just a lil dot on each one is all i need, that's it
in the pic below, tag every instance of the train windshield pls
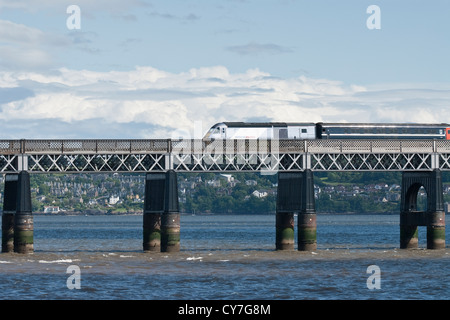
(212, 133)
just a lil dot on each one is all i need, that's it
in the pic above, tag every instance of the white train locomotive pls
(307, 131)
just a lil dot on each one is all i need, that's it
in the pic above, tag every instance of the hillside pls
(249, 193)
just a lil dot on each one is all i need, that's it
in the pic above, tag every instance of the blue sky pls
(144, 69)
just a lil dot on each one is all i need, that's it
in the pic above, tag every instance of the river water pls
(223, 257)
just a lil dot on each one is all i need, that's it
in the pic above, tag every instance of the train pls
(320, 130)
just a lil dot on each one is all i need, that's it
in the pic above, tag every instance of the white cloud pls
(254, 49)
(11, 32)
(24, 58)
(149, 103)
(19, 33)
(23, 47)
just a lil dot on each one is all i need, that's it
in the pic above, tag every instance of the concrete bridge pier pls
(23, 219)
(284, 234)
(307, 223)
(9, 210)
(296, 195)
(170, 220)
(433, 217)
(161, 225)
(153, 208)
(17, 218)
(436, 230)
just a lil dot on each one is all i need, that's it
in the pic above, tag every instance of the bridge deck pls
(222, 155)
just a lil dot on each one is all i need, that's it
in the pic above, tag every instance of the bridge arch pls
(433, 216)
(412, 200)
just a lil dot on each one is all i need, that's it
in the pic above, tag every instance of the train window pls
(303, 130)
(283, 134)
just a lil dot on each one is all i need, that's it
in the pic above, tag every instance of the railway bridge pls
(420, 161)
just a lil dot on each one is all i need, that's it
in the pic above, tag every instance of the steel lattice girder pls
(444, 161)
(96, 163)
(222, 155)
(370, 162)
(8, 163)
(226, 162)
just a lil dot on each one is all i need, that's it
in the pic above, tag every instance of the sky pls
(162, 69)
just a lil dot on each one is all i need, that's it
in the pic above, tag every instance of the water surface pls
(223, 257)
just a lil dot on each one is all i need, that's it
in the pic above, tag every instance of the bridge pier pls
(161, 225)
(284, 234)
(17, 218)
(296, 195)
(434, 216)
(9, 210)
(170, 221)
(153, 208)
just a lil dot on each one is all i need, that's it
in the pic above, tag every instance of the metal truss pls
(371, 162)
(265, 156)
(444, 161)
(238, 162)
(8, 163)
(96, 163)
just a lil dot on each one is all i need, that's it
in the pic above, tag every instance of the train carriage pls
(393, 131)
(339, 131)
(262, 130)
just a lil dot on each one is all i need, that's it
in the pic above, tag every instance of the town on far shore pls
(216, 193)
